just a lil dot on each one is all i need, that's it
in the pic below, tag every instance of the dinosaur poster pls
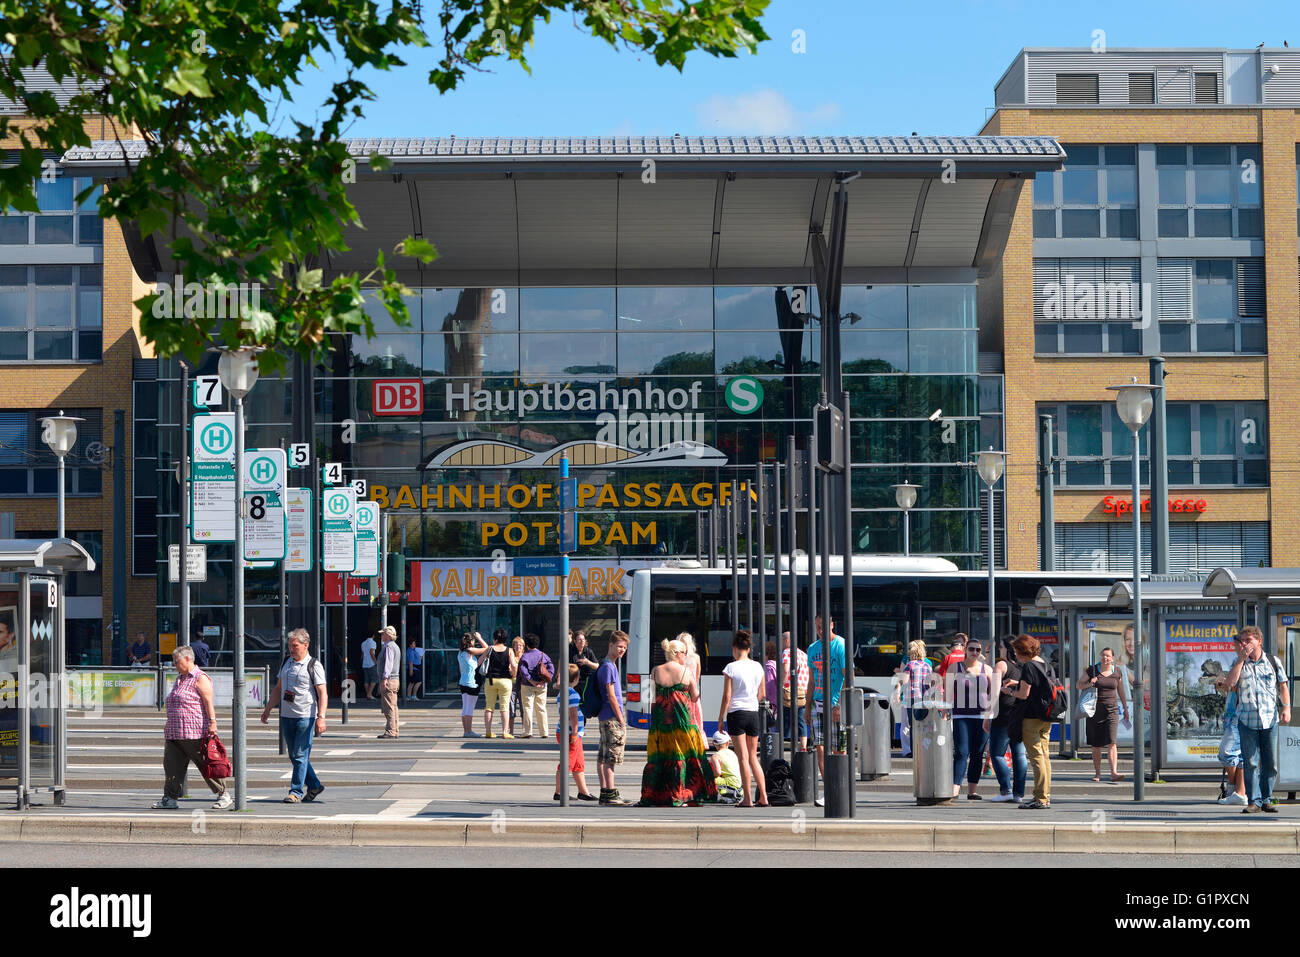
(1197, 652)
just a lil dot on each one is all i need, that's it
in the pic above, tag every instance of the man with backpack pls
(300, 692)
(535, 672)
(1044, 698)
(1261, 686)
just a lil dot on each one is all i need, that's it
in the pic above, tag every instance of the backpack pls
(213, 763)
(589, 693)
(1057, 703)
(780, 784)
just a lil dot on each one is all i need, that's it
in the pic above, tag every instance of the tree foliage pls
(239, 195)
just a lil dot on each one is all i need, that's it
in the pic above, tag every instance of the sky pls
(866, 69)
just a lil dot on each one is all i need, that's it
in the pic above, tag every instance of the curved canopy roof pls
(19, 554)
(669, 210)
(1238, 583)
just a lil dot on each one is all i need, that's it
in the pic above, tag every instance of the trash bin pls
(877, 734)
(932, 753)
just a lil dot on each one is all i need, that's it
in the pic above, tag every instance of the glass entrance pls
(443, 627)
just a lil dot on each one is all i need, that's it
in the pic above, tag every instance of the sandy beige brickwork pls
(1032, 380)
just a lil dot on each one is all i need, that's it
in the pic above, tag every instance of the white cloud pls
(766, 112)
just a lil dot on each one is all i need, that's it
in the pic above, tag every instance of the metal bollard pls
(932, 754)
(874, 751)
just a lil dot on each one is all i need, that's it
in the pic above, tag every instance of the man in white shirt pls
(368, 665)
(300, 692)
(388, 665)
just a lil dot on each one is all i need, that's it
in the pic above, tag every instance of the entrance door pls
(443, 627)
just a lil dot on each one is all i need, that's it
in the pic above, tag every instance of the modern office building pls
(647, 306)
(1171, 231)
(69, 342)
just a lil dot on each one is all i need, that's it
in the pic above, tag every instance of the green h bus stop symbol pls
(216, 438)
(263, 470)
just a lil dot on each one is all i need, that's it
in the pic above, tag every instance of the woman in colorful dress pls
(693, 669)
(677, 769)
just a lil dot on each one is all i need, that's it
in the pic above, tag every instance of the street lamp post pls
(990, 465)
(237, 369)
(905, 496)
(1133, 402)
(59, 432)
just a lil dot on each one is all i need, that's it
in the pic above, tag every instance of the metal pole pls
(343, 610)
(1047, 492)
(699, 533)
(733, 547)
(907, 532)
(61, 496)
(1158, 456)
(713, 535)
(562, 700)
(382, 597)
(284, 629)
(24, 628)
(812, 567)
(828, 725)
(1139, 731)
(992, 564)
(761, 516)
(776, 562)
(850, 786)
(405, 610)
(749, 561)
(239, 729)
(183, 629)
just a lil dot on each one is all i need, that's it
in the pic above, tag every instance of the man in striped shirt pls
(1261, 686)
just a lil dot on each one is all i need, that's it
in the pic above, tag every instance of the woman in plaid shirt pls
(191, 716)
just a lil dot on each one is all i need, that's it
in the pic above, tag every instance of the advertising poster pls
(223, 686)
(1197, 651)
(113, 689)
(1117, 635)
(1042, 624)
(8, 692)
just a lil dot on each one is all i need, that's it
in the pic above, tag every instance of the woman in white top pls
(742, 690)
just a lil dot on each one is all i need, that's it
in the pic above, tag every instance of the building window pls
(1095, 195)
(1209, 444)
(1209, 190)
(28, 467)
(1087, 306)
(1211, 305)
(1076, 88)
(62, 219)
(1108, 546)
(1207, 88)
(1141, 87)
(51, 313)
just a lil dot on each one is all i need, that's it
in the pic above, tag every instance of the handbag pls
(484, 662)
(213, 763)
(1087, 706)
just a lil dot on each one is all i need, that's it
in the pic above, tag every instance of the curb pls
(758, 836)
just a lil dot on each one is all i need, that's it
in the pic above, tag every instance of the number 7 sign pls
(207, 391)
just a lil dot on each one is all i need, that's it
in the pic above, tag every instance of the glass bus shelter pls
(33, 689)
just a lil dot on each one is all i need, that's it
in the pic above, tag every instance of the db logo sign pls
(398, 397)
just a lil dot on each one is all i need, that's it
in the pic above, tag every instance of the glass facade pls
(509, 375)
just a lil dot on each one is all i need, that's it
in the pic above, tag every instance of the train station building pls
(649, 308)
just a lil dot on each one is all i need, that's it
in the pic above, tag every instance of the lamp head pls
(59, 432)
(237, 370)
(905, 494)
(1134, 402)
(990, 465)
